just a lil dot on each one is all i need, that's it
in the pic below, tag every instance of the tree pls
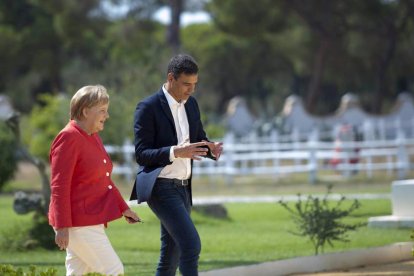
(173, 32)
(381, 26)
(237, 57)
(328, 21)
(33, 61)
(44, 35)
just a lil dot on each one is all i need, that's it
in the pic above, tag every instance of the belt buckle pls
(184, 182)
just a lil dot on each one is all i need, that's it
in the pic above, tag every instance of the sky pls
(162, 15)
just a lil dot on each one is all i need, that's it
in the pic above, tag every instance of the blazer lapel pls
(167, 110)
(190, 119)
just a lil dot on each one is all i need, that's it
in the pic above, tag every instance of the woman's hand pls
(131, 216)
(62, 238)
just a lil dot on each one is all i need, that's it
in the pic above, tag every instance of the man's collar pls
(170, 99)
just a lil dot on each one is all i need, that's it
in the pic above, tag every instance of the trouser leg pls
(180, 242)
(90, 250)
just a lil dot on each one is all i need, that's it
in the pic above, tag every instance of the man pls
(169, 135)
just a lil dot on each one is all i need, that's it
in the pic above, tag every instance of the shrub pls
(320, 221)
(14, 238)
(8, 160)
(42, 233)
(9, 270)
(38, 233)
(45, 123)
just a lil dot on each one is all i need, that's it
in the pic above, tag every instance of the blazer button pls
(104, 161)
(110, 187)
(107, 173)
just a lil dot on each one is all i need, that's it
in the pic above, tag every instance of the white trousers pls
(90, 250)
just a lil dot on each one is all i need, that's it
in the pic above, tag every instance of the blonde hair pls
(87, 97)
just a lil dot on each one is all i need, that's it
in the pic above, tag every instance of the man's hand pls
(192, 151)
(62, 238)
(216, 148)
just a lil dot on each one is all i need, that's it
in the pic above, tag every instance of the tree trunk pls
(382, 81)
(315, 83)
(173, 32)
(14, 124)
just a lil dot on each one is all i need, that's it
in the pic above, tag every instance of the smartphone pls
(209, 153)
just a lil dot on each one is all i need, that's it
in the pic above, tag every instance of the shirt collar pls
(171, 101)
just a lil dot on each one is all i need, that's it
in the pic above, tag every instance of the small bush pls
(8, 148)
(320, 221)
(42, 232)
(20, 237)
(14, 238)
(9, 270)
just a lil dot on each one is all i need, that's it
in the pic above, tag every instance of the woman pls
(83, 197)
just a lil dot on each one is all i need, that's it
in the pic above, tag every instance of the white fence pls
(273, 158)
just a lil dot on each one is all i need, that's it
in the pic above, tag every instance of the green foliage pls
(9, 270)
(23, 237)
(214, 131)
(226, 70)
(14, 237)
(320, 221)
(359, 46)
(412, 238)
(8, 160)
(118, 127)
(46, 120)
(41, 232)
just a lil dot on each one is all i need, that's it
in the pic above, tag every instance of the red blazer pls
(82, 192)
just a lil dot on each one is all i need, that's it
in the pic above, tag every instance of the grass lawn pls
(253, 233)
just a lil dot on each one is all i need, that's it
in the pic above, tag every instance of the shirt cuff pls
(172, 157)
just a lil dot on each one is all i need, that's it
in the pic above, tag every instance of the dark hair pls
(182, 64)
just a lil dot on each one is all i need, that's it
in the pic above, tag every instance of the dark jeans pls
(180, 243)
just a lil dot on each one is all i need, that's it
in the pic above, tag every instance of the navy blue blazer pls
(155, 133)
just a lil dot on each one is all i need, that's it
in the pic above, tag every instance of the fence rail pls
(277, 158)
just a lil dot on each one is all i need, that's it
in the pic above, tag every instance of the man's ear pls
(170, 77)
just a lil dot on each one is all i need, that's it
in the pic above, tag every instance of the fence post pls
(274, 139)
(313, 162)
(229, 164)
(403, 162)
(296, 141)
(381, 129)
(128, 159)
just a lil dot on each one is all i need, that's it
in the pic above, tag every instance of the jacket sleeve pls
(122, 205)
(145, 131)
(63, 158)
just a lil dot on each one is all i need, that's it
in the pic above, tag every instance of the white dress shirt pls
(181, 167)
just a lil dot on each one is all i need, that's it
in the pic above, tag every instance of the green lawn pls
(253, 233)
